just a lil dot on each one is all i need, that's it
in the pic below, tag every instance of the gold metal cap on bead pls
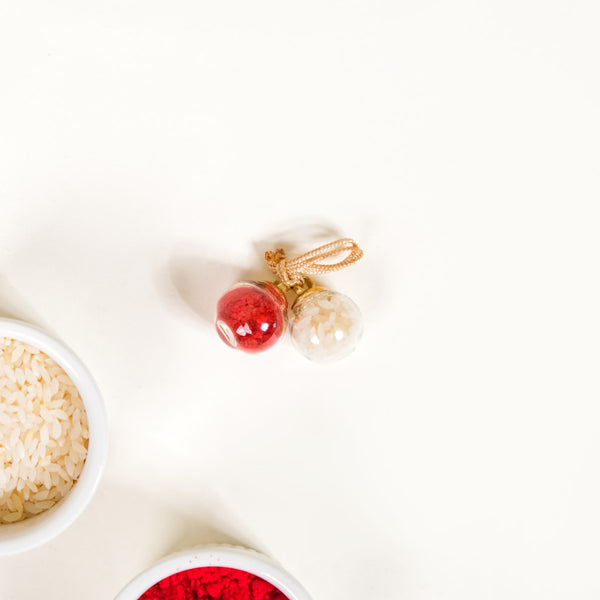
(300, 289)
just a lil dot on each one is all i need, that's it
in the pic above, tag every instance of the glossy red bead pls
(251, 316)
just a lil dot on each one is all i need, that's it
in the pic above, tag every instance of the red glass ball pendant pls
(251, 316)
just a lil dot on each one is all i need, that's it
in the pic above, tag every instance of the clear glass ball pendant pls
(251, 316)
(325, 325)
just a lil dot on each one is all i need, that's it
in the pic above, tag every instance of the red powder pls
(251, 316)
(213, 583)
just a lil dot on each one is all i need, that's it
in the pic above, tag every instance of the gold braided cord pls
(291, 271)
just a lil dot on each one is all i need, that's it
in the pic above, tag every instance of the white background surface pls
(150, 152)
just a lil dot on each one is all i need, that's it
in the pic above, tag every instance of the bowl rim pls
(216, 555)
(55, 520)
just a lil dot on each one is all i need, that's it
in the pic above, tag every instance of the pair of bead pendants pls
(324, 325)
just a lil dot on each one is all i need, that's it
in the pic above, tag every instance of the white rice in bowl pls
(43, 432)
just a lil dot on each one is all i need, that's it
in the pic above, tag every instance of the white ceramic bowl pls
(217, 555)
(34, 531)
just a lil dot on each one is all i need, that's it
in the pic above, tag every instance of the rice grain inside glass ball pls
(325, 325)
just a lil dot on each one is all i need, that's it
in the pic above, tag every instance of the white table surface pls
(150, 151)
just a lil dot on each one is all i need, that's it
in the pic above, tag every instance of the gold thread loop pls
(292, 271)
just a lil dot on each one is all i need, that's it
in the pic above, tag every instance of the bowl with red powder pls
(215, 572)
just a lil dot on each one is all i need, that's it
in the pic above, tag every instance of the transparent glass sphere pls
(251, 316)
(325, 325)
